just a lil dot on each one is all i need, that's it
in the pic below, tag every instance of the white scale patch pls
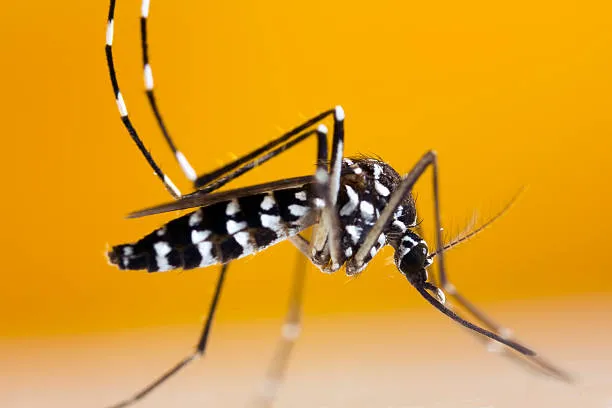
(336, 169)
(321, 176)
(148, 77)
(144, 8)
(381, 239)
(195, 218)
(381, 189)
(199, 236)
(128, 251)
(243, 238)
(160, 232)
(121, 105)
(377, 171)
(272, 222)
(267, 203)
(367, 210)
(339, 113)
(205, 249)
(110, 29)
(354, 232)
(232, 208)
(348, 252)
(301, 195)
(351, 205)
(187, 169)
(170, 185)
(233, 226)
(162, 249)
(298, 210)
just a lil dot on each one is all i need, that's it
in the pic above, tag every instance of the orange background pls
(508, 94)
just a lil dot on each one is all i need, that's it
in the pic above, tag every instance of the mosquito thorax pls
(412, 257)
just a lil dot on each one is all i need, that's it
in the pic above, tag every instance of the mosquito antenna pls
(423, 287)
(462, 238)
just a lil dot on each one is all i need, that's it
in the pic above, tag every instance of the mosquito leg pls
(198, 352)
(504, 334)
(418, 228)
(214, 176)
(538, 362)
(222, 180)
(290, 332)
(195, 198)
(396, 199)
(252, 160)
(110, 28)
(203, 180)
(188, 171)
(328, 186)
(207, 178)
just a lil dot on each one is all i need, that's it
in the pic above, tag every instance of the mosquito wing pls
(198, 199)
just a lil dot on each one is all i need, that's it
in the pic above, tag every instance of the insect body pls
(233, 228)
(354, 207)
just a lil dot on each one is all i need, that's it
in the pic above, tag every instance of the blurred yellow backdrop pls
(508, 94)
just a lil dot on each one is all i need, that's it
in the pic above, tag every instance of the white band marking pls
(110, 30)
(187, 169)
(148, 77)
(144, 9)
(199, 236)
(121, 105)
(173, 188)
(339, 114)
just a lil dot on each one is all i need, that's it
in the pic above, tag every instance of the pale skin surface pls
(410, 359)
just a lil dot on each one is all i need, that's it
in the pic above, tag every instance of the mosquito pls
(354, 206)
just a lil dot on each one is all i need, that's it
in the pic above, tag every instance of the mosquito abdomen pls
(220, 232)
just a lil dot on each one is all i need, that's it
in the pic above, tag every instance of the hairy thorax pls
(365, 189)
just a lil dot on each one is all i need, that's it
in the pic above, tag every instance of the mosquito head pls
(412, 257)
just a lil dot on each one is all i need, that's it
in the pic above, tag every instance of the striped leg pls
(205, 179)
(430, 159)
(148, 81)
(198, 352)
(221, 180)
(422, 286)
(290, 332)
(110, 30)
(536, 361)
(328, 186)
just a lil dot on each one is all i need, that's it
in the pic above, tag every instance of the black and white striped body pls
(220, 232)
(230, 230)
(367, 185)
